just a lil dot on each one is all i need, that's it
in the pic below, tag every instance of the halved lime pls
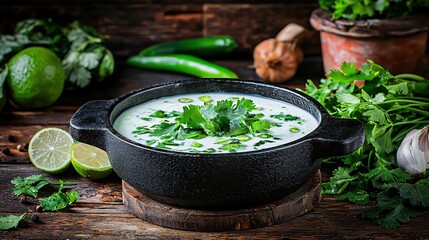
(90, 161)
(49, 150)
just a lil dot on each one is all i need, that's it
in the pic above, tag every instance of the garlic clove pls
(410, 157)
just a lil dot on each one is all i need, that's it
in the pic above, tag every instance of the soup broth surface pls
(156, 123)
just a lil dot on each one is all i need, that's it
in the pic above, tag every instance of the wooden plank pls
(136, 25)
(131, 27)
(100, 214)
(251, 24)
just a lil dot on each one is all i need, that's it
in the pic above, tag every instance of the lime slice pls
(49, 150)
(90, 161)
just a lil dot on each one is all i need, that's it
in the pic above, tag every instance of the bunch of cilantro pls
(390, 106)
(365, 9)
(84, 57)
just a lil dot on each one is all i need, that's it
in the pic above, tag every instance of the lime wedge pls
(49, 150)
(90, 161)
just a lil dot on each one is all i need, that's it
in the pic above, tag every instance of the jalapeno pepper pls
(182, 63)
(204, 46)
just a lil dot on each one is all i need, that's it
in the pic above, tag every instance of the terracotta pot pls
(397, 44)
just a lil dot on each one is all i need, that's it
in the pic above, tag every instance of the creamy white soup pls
(214, 123)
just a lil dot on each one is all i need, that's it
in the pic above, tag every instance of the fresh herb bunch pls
(390, 106)
(84, 57)
(364, 9)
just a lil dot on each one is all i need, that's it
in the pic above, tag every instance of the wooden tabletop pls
(100, 212)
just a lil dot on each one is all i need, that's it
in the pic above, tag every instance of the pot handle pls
(89, 123)
(337, 137)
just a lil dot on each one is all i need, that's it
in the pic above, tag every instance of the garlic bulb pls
(276, 61)
(413, 154)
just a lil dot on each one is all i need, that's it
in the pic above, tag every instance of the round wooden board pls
(294, 205)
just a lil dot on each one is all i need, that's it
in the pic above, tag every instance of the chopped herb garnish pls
(158, 114)
(285, 117)
(262, 142)
(233, 121)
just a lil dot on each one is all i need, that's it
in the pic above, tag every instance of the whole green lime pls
(36, 77)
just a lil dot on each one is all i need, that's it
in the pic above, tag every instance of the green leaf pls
(376, 115)
(11, 221)
(285, 117)
(28, 186)
(89, 60)
(80, 76)
(417, 193)
(400, 88)
(347, 98)
(261, 126)
(381, 139)
(107, 65)
(348, 68)
(59, 200)
(338, 182)
(394, 210)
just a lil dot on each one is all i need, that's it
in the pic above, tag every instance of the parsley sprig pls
(390, 106)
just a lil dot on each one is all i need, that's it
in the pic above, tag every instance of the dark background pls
(135, 24)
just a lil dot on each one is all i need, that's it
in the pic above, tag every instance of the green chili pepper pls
(182, 63)
(204, 46)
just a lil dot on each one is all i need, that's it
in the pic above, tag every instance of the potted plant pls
(392, 33)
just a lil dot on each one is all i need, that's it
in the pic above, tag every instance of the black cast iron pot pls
(226, 180)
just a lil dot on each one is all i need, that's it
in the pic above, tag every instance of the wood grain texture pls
(296, 204)
(135, 25)
(100, 214)
(251, 24)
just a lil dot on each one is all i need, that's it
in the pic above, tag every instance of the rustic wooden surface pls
(100, 213)
(296, 204)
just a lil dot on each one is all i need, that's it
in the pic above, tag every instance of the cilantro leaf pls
(32, 184)
(11, 221)
(417, 193)
(260, 126)
(28, 186)
(390, 210)
(59, 200)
